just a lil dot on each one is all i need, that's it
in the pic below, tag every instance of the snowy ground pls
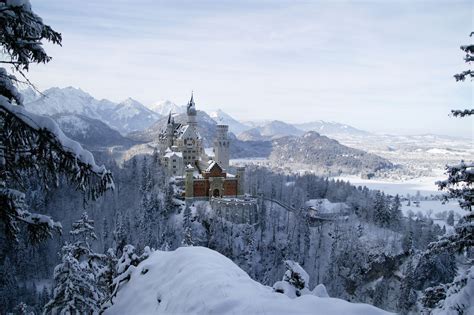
(197, 280)
(425, 185)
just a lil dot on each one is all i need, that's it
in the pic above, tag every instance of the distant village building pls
(183, 154)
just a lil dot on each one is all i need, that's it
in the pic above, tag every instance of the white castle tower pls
(191, 111)
(221, 146)
(190, 141)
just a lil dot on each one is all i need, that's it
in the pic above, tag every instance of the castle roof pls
(188, 132)
(172, 153)
(191, 108)
(213, 165)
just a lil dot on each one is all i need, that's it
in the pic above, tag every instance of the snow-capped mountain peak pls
(164, 107)
(235, 126)
(129, 115)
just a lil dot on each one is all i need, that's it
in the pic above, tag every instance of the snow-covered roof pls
(325, 206)
(172, 153)
(211, 165)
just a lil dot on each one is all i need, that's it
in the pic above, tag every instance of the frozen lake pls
(425, 185)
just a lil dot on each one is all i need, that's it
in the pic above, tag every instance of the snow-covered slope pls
(29, 95)
(91, 133)
(131, 115)
(68, 100)
(197, 280)
(223, 118)
(165, 107)
(125, 117)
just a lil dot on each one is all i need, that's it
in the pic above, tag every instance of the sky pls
(381, 66)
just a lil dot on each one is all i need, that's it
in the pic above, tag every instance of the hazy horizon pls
(379, 67)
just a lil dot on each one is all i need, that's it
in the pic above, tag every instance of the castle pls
(183, 155)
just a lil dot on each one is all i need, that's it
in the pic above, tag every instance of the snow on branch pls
(459, 184)
(462, 76)
(461, 113)
(67, 155)
(15, 210)
(22, 33)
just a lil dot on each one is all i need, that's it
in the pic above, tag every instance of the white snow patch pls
(197, 280)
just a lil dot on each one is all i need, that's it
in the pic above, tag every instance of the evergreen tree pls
(76, 279)
(187, 227)
(460, 183)
(8, 287)
(396, 213)
(407, 299)
(381, 210)
(124, 268)
(450, 218)
(32, 145)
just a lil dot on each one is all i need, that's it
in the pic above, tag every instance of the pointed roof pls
(191, 108)
(214, 165)
(169, 118)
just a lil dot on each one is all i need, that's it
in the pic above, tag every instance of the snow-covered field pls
(409, 188)
(198, 280)
(425, 185)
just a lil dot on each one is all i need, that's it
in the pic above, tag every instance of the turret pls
(170, 131)
(191, 111)
(241, 180)
(189, 182)
(221, 146)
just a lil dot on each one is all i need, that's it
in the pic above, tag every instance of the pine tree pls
(76, 279)
(381, 210)
(460, 183)
(396, 213)
(106, 274)
(450, 218)
(407, 299)
(32, 145)
(149, 222)
(187, 227)
(8, 287)
(124, 268)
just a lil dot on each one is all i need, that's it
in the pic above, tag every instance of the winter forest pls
(122, 208)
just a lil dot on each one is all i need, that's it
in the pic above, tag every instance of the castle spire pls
(191, 108)
(169, 118)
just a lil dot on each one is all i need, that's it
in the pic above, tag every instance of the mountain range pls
(100, 124)
(127, 116)
(132, 116)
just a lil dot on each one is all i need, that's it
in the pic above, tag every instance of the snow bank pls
(197, 280)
